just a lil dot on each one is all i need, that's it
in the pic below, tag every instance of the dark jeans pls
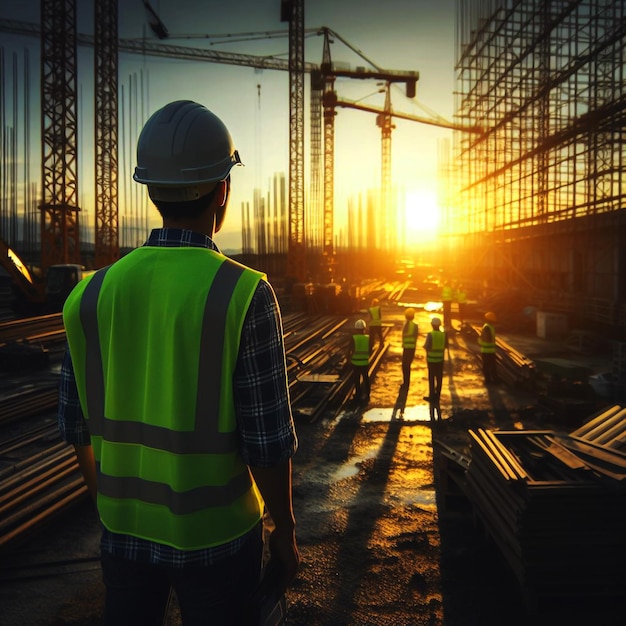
(137, 593)
(376, 335)
(408, 354)
(435, 378)
(361, 373)
(489, 367)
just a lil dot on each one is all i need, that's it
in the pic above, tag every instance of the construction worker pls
(435, 345)
(447, 295)
(461, 300)
(487, 342)
(174, 393)
(409, 342)
(376, 323)
(360, 350)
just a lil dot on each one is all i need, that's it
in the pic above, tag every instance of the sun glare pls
(422, 215)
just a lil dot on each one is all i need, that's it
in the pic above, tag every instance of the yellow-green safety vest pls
(154, 340)
(361, 352)
(409, 335)
(446, 293)
(437, 346)
(375, 315)
(488, 347)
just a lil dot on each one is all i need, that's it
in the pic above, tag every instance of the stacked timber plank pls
(556, 507)
(515, 368)
(607, 428)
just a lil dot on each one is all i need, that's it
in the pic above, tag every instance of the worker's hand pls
(283, 548)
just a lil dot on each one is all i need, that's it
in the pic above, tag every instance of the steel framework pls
(106, 132)
(546, 80)
(59, 206)
(293, 11)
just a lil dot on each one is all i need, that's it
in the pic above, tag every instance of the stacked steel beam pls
(556, 507)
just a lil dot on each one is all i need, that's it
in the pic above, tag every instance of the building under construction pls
(537, 202)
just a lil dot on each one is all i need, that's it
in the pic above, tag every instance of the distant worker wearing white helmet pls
(175, 395)
(435, 345)
(360, 351)
(409, 342)
(487, 342)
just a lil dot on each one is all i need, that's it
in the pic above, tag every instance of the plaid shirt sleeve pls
(71, 421)
(265, 422)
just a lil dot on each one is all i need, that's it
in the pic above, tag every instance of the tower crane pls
(384, 121)
(325, 81)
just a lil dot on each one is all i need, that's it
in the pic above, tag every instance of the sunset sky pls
(413, 35)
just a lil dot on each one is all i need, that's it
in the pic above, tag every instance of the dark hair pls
(189, 209)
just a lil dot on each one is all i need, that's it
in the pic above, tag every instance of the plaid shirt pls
(264, 420)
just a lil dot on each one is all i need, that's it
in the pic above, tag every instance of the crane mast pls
(106, 132)
(293, 12)
(59, 130)
(384, 122)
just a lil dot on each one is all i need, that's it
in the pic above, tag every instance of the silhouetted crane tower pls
(59, 206)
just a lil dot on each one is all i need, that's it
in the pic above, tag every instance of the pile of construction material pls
(555, 504)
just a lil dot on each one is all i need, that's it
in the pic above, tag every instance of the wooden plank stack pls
(555, 505)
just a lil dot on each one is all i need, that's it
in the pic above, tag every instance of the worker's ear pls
(221, 201)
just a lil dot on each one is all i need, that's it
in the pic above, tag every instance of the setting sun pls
(422, 215)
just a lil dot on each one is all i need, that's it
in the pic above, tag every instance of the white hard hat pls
(435, 321)
(182, 151)
(360, 324)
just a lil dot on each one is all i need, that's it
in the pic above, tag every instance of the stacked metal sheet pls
(556, 507)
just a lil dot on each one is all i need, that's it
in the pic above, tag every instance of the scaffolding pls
(539, 198)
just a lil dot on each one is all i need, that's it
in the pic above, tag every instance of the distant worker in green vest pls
(175, 396)
(376, 323)
(435, 345)
(487, 342)
(360, 350)
(461, 301)
(447, 295)
(409, 342)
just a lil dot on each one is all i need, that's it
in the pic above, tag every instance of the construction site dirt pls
(384, 537)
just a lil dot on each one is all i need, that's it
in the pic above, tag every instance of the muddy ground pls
(383, 542)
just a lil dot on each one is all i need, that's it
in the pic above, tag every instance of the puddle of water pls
(419, 413)
(352, 468)
(423, 498)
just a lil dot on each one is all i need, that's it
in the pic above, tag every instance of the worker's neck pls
(198, 225)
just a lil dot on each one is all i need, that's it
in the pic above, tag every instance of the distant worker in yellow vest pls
(174, 394)
(376, 323)
(487, 342)
(461, 300)
(360, 350)
(435, 345)
(447, 295)
(409, 342)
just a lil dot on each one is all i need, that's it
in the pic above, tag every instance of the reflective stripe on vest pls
(361, 353)
(182, 484)
(437, 346)
(488, 347)
(409, 335)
